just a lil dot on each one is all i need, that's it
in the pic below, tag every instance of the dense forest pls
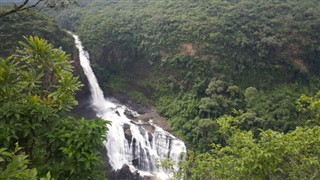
(210, 64)
(237, 80)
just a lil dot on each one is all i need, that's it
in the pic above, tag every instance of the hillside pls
(202, 60)
(237, 80)
(15, 26)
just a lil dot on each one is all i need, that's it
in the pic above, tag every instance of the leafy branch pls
(26, 4)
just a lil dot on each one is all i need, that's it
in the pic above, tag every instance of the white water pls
(143, 149)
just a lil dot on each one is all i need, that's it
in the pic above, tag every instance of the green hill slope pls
(197, 61)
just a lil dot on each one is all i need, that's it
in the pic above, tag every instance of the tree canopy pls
(24, 5)
(237, 80)
(14, 26)
(274, 155)
(199, 60)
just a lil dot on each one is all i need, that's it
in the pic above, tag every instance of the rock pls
(128, 135)
(135, 162)
(83, 109)
(127, 132)
(149, 127)
(142, 131)
(150, 137)
(125, 174)
(126, 126)
(136, 106)
(129, 114)
(147, 111)
(160, 121)
(144, 117)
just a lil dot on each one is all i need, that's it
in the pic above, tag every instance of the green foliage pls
(13, 27)
(193, 116)
(12, 7)
(310, 108)
(274, 156)
(206, 59)
(273, 110)
(173, 169)
(239, 38)
(244, 43)
(37, 92)
(78, 143)
(167, 164)
(229, 75)
(15, 165)
(222, 99)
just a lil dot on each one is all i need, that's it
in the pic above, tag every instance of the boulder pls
(127, 132)
(125, 174)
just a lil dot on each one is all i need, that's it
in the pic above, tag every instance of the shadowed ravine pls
(129, 142)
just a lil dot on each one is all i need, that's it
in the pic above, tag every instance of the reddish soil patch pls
(188, 49)
(164, 53)
(299, 63)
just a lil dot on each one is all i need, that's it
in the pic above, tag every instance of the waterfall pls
(128, 141)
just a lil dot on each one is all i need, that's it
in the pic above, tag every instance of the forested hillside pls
(273, 42)
(15, 26)
(209, 65)
(237, 80)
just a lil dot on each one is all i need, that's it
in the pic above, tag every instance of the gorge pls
(128, 141)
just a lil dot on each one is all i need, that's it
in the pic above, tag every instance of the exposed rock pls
(160, 121)
(150, 137)
(128, 135)
(84, 109)
(149, 127)
(188, 49)
(129, 115)
(147, 112)
(299, 63)
(126, 126)
(136, 106)
(142, 130)
(127, 132)
(144, 117)
(135, 162)
(125, 174)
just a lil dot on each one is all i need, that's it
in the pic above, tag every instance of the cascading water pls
(128, 141)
